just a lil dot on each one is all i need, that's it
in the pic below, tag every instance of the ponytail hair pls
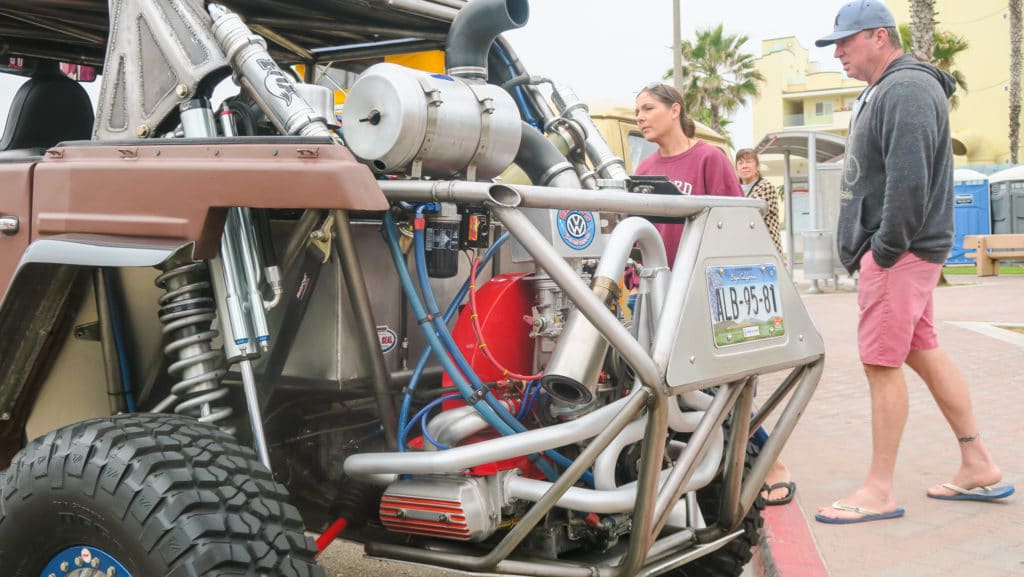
(689, 128)
(668, 96)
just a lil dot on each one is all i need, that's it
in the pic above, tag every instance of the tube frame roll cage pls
(650, 552)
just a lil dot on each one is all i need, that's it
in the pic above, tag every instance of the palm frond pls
(718, 76)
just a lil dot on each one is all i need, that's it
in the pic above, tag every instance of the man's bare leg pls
(889, 405)
(950, 391)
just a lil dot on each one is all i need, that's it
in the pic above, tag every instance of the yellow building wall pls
(782, 60)
(982, 118)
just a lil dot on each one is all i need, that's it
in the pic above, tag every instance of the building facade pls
(797, 94)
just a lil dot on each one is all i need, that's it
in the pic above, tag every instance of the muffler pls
(571, 375)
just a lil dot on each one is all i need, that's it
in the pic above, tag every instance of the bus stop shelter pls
(817, 148)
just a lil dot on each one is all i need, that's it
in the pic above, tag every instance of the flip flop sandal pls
(866, 515)
(990, 493)
(790, 491)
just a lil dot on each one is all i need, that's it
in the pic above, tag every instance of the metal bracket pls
(434, 101)
(322, 238)
(88, 331)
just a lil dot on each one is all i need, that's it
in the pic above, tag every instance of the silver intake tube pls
(456, 424)
(604, 466)
(606, 164)
(571, 375)
(617, 499)
(273, 90)
(370, 465)
(473, 31)
(547, 197)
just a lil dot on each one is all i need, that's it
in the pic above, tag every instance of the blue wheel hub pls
(84, 561)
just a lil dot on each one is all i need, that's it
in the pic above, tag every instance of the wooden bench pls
(989, 249)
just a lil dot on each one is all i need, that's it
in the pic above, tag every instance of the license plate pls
(745, 303)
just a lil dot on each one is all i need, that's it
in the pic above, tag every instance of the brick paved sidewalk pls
(829, 451)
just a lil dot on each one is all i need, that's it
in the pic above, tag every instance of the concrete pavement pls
(829, 451)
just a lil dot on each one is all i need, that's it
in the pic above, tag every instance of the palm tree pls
(717, 76)
(1015, 64)
(945, 47)
(922, 30)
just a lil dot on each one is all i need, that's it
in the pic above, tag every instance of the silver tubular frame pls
(650, 408)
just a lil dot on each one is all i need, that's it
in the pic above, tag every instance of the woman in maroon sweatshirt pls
(695, 167)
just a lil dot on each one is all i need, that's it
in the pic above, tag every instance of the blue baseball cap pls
(856, 16)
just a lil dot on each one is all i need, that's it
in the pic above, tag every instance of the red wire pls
(480, 336)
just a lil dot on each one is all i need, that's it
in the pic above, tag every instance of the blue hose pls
(467, 392)
(403, 414)
(446, 337)
(422, 413)
(464, 366)
(114, 306)
(524, 107)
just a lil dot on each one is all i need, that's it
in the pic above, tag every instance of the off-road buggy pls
(223, 327)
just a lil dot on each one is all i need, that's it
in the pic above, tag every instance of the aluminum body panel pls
(327, 338)
(734, 237)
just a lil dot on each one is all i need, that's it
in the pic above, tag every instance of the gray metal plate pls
(734, 237)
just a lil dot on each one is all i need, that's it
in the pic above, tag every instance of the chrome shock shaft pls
(243, 317)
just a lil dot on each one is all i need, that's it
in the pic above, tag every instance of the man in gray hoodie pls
(896, 228)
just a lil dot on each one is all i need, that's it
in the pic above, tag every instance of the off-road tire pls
(162, 494)
(730, 560)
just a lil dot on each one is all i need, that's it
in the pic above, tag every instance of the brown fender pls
(180, 190)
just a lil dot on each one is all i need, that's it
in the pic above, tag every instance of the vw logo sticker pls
(577, 228)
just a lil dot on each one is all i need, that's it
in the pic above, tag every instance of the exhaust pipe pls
(571, 375)
(473, 31)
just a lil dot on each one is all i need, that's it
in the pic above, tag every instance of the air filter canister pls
(400, 120)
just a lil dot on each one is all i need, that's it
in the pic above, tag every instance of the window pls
(639, 148)
(822, 108)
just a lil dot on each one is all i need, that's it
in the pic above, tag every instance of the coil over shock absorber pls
(187, 311)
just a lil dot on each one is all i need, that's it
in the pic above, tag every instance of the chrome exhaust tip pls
(567, 390)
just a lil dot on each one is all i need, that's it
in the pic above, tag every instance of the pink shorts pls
(895, 309)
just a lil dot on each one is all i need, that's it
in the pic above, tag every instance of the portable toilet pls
(1008, 201)
(971, 214)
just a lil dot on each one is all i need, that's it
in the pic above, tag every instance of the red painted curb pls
(791, 551)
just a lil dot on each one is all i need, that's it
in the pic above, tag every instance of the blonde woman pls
(749, 173)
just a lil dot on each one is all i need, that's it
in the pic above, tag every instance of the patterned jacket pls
(763, 190)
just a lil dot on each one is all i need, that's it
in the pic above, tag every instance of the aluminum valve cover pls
(458, 508)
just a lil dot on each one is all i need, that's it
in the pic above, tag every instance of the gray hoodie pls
(897, 190)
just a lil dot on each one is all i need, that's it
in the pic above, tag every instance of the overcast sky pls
(607, 49)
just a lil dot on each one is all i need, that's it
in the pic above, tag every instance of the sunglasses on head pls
(661, 88)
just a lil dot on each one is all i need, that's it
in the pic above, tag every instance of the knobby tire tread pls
(197, 500)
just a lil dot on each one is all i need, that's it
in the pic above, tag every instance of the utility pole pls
(677, 55)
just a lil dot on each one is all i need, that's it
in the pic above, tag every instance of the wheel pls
(147, 496)
(730, 560)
